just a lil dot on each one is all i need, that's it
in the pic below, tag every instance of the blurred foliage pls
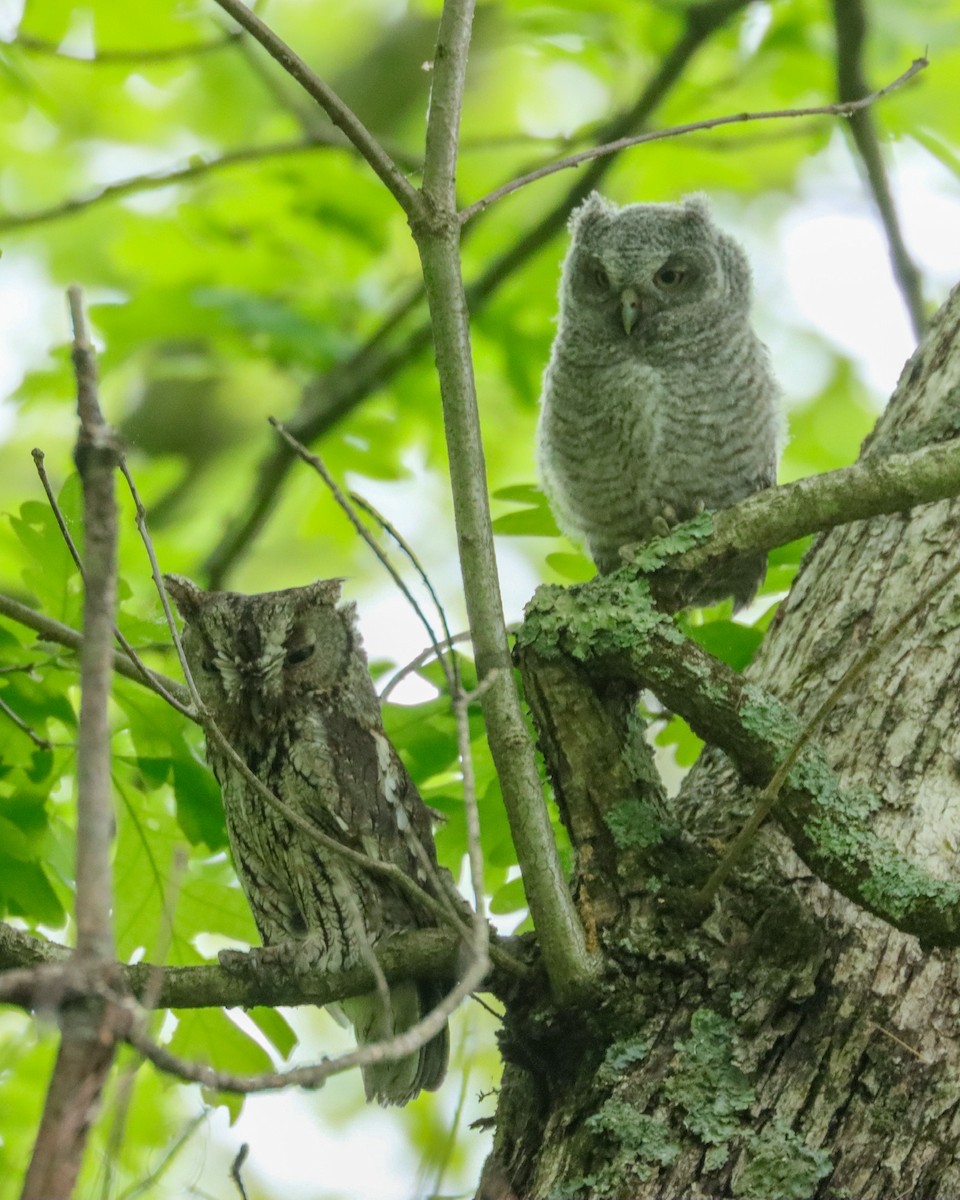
(225, 297)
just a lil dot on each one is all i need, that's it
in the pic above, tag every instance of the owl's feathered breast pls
(658, 399)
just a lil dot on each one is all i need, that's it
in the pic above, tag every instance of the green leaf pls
(509, 898)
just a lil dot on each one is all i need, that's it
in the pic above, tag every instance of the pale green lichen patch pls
(651, 556)
(865, 866)
(707, 1084)
(623, 1054)
(635, 825)
(779, 1163)
(764, 716)
(641, 1141)
(609, 615)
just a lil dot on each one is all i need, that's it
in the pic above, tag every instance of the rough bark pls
(790, 1044)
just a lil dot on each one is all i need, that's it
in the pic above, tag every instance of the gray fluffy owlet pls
(285, 678)
(659, 400)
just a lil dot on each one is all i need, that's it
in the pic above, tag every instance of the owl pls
(285, 678)
(659, 400)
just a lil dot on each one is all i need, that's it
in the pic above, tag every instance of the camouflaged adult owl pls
(285, 677)
(659, 400)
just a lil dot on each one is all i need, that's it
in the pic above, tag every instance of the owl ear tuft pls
(188, 598)
(592, 211)
(697, 206)
(327, 591)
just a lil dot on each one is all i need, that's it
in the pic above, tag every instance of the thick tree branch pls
(344, 118)
(327, 399)
(872, 487)
(97, 456)
(52, 982)
(851, 26)
(562, 940)
(611, 628)
(591, 738)
(31, 972)
(89, 1029)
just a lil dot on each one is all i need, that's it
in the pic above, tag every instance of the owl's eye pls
(299, 654)
(669, 277)
(208, 666)
(600, 277)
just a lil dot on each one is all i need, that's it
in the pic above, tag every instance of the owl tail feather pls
(398, 1081)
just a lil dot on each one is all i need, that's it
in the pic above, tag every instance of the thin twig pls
(169, 1157)
(343, 117)
(143, 671)
(64, 635)
(846, 109)
(124, 1088)
(850, 21)
(236, 1167)
(24, 727)
(140, 57)
(407, 550)
(168, 177)
(317, 463)
(769, 795)
(450, 1140)
(424, 656)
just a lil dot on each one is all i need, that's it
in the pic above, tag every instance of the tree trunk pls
(791, 1045)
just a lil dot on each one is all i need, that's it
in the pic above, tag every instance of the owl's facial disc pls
(673, 280)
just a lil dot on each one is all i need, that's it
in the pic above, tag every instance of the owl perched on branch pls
(285, 678)
(659, 400)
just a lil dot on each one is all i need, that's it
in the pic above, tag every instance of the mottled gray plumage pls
(659, 400)
(285, 678)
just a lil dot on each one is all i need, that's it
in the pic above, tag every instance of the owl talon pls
(237, 962)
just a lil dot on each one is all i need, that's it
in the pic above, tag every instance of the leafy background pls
(219, 299)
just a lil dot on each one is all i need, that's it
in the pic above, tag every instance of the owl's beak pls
(631, 308)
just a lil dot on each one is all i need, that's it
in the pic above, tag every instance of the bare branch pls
(313, 1076)
(37, 740)
(851, 26)
(872, 487)
(63, 635)
(424, 656)
(97, 456)
(569, 964)
(317, 463)
(89, 1031)
(344, 118)
(138, 57)
(144, 673)
(33, 975)
(771, 793)
(169, 177)
(235, 1168)
(846, 109)
(438, 647)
